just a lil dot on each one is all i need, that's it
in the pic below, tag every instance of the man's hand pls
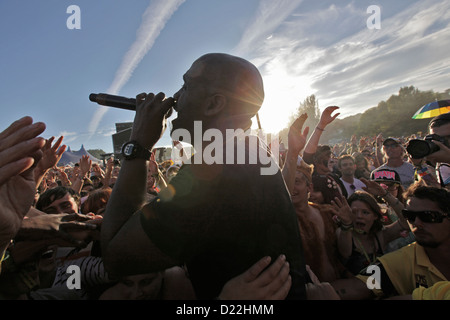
(255, 284)
(150, 120)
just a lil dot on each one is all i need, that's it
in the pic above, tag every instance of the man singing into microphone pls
(217, 219)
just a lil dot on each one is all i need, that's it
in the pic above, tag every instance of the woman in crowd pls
(361, 235)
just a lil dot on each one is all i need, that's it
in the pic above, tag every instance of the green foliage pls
(392, 117)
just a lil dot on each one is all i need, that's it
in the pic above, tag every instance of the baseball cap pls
(391, 139)
(385, 175)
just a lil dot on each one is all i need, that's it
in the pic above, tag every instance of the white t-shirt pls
(406, 172)
(358, 185)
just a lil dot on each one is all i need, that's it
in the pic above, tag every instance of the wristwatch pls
(132, 150)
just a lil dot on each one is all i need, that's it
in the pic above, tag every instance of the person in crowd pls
(440, 159)
(324, 189)
(320, 155)
(386, 187)
(361, 234)
(217, 218)
(363, 168)
(316, 224)
(40, 234)
(96, 201)
(420, 270)
(393, 152)
(347, 167)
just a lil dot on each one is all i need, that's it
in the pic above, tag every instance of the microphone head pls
(93, 97)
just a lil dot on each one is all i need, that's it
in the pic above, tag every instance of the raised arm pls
(296, 143)
(325, 119)
(125, 246)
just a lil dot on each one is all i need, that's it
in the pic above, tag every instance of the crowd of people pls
(139, 229)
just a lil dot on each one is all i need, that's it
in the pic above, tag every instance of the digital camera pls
(421, 148)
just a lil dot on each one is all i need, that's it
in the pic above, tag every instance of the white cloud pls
(331, 53)
(154, 19)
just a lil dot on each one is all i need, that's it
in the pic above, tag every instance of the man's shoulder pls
(399, 256)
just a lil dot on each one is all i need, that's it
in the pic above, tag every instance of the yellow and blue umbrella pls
(432, 109)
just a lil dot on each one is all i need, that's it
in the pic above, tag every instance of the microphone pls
(109, 100)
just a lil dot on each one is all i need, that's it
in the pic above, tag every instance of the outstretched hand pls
(342, 209)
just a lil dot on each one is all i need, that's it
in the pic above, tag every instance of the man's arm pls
(125, 246)
(296, 143)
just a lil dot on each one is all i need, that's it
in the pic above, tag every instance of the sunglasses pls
(425, 216)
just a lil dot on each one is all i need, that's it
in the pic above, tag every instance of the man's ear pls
(216, 104)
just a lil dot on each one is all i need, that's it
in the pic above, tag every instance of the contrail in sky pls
(154, 19)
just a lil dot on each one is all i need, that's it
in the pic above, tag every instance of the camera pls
(421, 148)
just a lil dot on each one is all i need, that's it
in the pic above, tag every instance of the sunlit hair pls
(306, 169)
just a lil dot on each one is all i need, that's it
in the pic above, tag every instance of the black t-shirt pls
(221, 219)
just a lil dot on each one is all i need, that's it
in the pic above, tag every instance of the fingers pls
(14, 168)
(283, 291)
(25, 149)
(313, 277)
(252, 273)
(275, 274)
(15, 126)
(20, 131)
(157, 102)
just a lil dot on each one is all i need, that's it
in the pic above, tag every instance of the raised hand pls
(342, 209)
(20, 151)
(326, 117)
(51, 154)
(297, 138)
(50, 157)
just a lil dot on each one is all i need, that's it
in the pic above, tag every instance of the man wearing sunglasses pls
(393, 152)
(422, 269)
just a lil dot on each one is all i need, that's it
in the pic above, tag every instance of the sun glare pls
(283, 95)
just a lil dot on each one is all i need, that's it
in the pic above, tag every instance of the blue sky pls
(301, 47)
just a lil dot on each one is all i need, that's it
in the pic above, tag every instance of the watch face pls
(128, 149)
